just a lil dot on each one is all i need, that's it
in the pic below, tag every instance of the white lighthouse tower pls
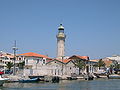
(60, 42)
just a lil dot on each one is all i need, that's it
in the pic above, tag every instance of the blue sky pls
(92, 26)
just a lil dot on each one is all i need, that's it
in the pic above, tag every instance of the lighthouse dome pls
(61, 27)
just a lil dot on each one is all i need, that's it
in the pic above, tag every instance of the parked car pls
(8, 72)
(1, 72)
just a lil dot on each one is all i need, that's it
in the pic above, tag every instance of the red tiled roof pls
(31, 54)
(65, 60)
(79, 57)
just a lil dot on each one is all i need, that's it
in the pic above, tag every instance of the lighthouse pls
(60, 42)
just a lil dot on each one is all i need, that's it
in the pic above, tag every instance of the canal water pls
(103, 84)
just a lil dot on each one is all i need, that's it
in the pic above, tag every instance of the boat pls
(71, 78)
(55, 79)
(88, 77)
(3, 80)
(28, 80)
(114, 76)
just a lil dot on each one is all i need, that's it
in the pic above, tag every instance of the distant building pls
(5, 58)
(115, 57)
(108, 62)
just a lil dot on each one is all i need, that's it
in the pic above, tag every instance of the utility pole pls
(14, 52)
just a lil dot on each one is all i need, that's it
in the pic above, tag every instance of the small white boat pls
(114, 76)
(2, 80)
(29, 80)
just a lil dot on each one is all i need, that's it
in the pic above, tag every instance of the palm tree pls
(80, 64)
(9, 65)
(21, 65)
(100, 64)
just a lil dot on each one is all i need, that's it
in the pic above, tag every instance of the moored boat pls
(29, 80)
(114, 76)
(3, 80)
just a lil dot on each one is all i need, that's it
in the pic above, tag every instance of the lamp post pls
(14, 52)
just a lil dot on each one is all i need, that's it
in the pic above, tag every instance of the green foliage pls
(80, 63)
(21, 65)
(116, 66)
(9, 65)
(100, 64)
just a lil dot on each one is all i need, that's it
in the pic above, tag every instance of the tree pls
(80, 64)
(100, 64)
(21, 65)
(9, 65)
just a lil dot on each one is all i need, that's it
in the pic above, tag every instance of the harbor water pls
(103, 84)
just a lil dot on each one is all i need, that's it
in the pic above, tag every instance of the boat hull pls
(29, 80)
(114, 77)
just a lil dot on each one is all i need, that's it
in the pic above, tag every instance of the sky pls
(92, 26)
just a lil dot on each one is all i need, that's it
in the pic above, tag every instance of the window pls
(19, 58)
(37, 61)
(43, 61)
(26, 61)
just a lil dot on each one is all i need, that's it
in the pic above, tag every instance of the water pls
(113, 84)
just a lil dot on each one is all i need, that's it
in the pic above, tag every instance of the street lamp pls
(14, 51)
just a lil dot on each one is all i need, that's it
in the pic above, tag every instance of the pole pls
(14, 52)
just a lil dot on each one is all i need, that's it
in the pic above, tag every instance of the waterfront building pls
(108, 63)
(93, 68)
(5, 58)
(86, 62)
(37, 65)
(60, 42)
(34, 60)
(64, 67)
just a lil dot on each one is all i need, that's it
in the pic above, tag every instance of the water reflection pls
(65, 85)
